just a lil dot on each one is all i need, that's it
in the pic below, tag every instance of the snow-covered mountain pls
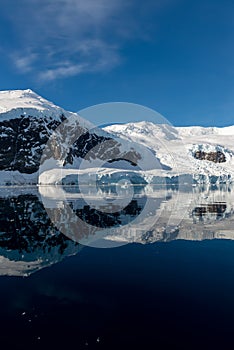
(206, 154)
(141, 152)
(27, 122)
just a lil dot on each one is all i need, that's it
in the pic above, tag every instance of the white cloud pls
(67, 37)
(24, 63)
(62, 71)
(87, 56)
(63, 38)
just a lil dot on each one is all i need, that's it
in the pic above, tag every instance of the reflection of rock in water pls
(217, 209)
(154, 214)
(191, 214)
(28, 242)
(98, 218)
(159, 235)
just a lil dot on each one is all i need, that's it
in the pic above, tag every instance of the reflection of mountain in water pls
(156, 213)
(28, 242)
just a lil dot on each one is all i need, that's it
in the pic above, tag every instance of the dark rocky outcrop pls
(216, 157)
(23, 140)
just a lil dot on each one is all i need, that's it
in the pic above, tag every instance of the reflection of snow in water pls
(168, 214)
(196, 213)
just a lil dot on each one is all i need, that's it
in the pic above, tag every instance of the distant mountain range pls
(205, 154)
(143, 152)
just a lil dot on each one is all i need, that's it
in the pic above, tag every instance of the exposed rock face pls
(216, 157)
(27, 122)
(22, 140)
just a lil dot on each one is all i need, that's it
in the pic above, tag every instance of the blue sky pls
(174, 56)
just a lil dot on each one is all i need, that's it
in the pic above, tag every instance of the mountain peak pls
(15, 99)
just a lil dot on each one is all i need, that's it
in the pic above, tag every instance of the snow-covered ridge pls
(199, 130)
(175, 147)
(13, 99)
(14, 103)
(144, 129)
(27, 121)
(164, 130)
(25, 102)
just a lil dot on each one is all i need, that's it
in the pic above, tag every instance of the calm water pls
(170, 281)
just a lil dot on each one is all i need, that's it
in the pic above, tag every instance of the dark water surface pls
(176, 292)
